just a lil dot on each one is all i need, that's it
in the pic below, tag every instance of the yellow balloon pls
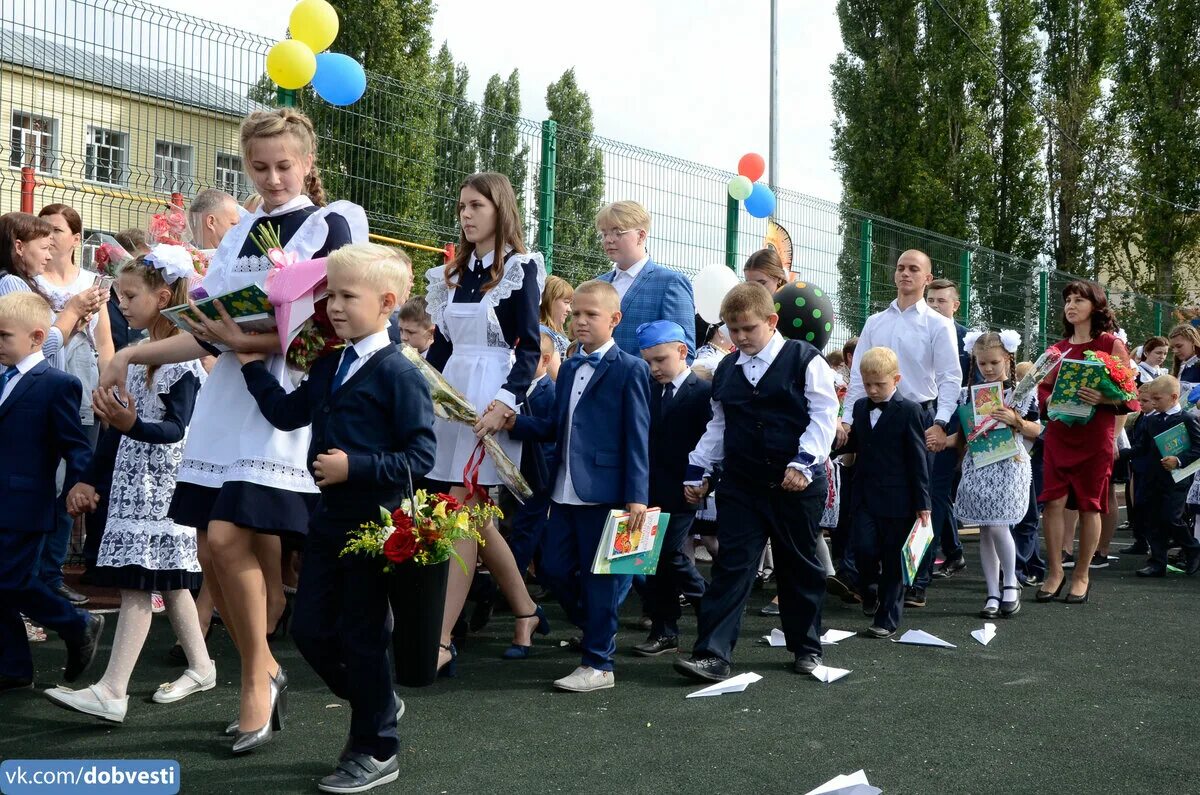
(291, 64)
(315, 23)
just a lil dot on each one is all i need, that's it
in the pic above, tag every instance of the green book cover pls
(998, 444)
(621, 551)
(249, 307)
(1174, 441)
(915, 546)
(1074, 375)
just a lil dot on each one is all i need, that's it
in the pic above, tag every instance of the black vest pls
(764, 423)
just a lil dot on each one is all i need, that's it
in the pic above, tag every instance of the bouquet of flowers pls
(1120, 382)
(452, 406)
(1024, 388)
(169, 227)
(429, 538)
(108, 256)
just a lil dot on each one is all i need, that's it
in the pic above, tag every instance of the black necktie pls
(668, 392)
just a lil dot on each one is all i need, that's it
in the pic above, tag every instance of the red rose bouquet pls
(1120, 383)
(439, 522)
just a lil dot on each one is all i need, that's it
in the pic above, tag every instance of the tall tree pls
(501, 147)
(455, 133)
(579, 181)
(1158, 97)
(1082, 43)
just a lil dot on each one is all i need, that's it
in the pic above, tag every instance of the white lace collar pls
(298, 203)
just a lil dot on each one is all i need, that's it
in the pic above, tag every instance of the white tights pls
(997, 553)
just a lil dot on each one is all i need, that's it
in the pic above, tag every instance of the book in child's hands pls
(1073, 375)
(998, 444)
(249, 308)
(987, 400)
(1174, 441)
(914, 548)
(626, 550)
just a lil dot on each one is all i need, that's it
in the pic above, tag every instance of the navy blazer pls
(381, 417)
(1146, 458)
(657, 293)
(609, 454)
(39, 426)
(891, 463)
(673, 436)
(536, 456)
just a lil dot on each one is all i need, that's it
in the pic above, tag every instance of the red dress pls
(1077, 460)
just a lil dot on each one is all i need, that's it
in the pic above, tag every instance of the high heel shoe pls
(1072, 599)
(1047, 596)
(451, 667)
(518, 652)
(1010, 609)
(281, 679)
(285, 618)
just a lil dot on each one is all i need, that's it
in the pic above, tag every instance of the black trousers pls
(341, 627)
(676, 574)
(748, 515)
(880, 572)
(1161, 516)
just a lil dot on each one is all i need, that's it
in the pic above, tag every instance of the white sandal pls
(110, 709)
(190, 682)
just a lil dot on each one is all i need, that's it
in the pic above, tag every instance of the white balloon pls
(710, 286)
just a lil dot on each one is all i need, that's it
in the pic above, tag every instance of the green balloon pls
(740, 188)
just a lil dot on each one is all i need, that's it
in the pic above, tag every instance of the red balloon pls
(752, 166)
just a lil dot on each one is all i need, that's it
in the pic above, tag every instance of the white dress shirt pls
(874, 414)
(367, 347)
(624, 278)
(677, 382)
(926, 345)
(564, 489)
(822, 411)
(533, 384)
(23, 367)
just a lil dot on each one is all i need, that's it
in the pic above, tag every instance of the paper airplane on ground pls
(833, 636)
(853, 784)
(984, 635)
(827, 674)
(776, 638)
(919, 637)
(734, 684)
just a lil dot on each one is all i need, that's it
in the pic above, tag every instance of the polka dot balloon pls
(805, 313)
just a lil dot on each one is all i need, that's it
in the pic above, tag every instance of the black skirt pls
(262, 509)
(139, 578)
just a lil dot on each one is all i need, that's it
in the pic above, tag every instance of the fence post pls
(28, 184)
(286, 97)
(546, 188)
(865, 244)
(1043, 305)
(731, 233)
(1158, 318)
(964, 277)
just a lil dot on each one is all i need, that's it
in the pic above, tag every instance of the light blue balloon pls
(340, 80)
(760, 203)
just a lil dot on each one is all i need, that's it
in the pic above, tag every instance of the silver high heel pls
(281, 681)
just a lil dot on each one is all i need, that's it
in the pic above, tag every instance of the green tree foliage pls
(579, 186)
(501, 147)
(455, 133)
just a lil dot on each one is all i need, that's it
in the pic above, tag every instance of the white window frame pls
(44, 142)
(173, 169)
(225, 177)
(91, 166)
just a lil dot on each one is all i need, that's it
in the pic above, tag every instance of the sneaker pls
(1098, 561)
(157, 605)
(360, 773)
(914, 597)
(1068, 560)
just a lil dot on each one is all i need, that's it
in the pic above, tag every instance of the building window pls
(172, 167)
(32, 142)
(107, 156)
(231, 177)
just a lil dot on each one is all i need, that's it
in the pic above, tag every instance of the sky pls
(688, 78)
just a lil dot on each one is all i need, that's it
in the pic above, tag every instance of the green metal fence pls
(118, 107)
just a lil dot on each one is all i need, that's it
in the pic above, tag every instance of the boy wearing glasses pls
(648, 291)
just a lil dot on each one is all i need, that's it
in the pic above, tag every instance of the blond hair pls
(28, 309)
(623, 215)
(747, 298)
(1163, 385)
(387, 270)
(605, 292)
(556, 288)
(1022, 369)
(879, 361)
(547, 345)
(289, 121)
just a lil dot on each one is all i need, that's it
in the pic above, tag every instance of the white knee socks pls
(997, 552)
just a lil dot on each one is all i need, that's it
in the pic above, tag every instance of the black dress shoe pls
(835, 586)
(14, 683)
(706, 669)
(769, 609)
(914, 597)
(876, 631)
(951, 566)
(1136, 548)
(656, 646)
(1152, 570)
(81, 653)
(806, 663)
(869, 606)
(74, 597)
(359, 773)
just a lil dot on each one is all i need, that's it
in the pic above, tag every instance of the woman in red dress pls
(1078, 459)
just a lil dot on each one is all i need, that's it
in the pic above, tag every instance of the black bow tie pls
(872, 405)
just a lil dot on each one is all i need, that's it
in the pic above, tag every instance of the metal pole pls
(773, 142)
(731, 233)
(546, 188)
(1043, 305)
(286, 97)
(28, 185)
(865, 243)
(964, 269)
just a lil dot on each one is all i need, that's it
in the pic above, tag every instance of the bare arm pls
(179, 348)
(103, 337)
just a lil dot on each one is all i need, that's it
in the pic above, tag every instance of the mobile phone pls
(105, 283)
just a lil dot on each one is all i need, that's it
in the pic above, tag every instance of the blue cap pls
(659, 331)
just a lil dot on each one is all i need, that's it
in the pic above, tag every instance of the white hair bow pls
(970, 339)
(175, 262)
(1011, 340)
(1122, 336)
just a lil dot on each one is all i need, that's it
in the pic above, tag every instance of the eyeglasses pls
(604, 234)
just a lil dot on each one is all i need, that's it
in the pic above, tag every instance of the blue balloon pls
(760, 203)
(340, 80)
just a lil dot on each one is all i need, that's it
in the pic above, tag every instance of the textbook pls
(998, 444)
(1073, 375)
(249, 308)
(625, 550)
(987, 400)
(914, 548)
(1174, 441)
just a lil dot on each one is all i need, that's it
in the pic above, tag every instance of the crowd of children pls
(209, 474)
